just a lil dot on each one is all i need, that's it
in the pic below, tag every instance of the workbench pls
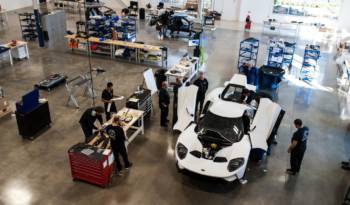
(18, 51)
(109, 47)
(186, 69)
(128, 126)
(279, 26)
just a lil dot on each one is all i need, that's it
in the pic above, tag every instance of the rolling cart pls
(92, 162)
(51, 82)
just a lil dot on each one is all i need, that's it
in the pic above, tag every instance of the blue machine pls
(248, 52)
(30, 101)
(309, 66)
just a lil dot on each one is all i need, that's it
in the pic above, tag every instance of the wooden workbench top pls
(19, 43)
(118, 43)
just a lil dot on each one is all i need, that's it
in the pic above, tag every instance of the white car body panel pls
(264, 120)
(208, 167)
(262, 125)
(186, 107)
(228, 109)
(239, 79)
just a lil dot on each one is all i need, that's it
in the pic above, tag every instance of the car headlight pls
(181, 151)
(235, 164)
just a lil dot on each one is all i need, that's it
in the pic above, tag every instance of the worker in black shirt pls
(118, 138)
(88, 119)
(202, 84)
(298, 147)
(176, 87)
(164, 101)
(107, 96)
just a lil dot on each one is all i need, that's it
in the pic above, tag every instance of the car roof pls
(228, 109)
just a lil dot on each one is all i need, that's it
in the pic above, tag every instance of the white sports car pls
(220, 144)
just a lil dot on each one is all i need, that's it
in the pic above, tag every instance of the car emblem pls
(203, 170)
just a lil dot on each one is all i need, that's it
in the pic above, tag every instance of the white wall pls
(260, 10)
(344, 17)
(228, 8)
(237, 10)
(15, 4)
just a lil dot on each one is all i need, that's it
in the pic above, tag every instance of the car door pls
(186, 107)
(264, 122)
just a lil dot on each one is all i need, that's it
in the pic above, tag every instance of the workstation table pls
(18, 51)
(111, 46)
(135, 115)
(185, 70)
(93, 162)
(279, 26)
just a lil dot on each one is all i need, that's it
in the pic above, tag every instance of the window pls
(312, 8)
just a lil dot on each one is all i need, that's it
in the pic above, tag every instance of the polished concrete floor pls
(38, 172)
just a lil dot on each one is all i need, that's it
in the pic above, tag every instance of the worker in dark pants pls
(298, 147)
(176, 87)
(164, 101)
(118, 138)
(88, 119)
(107, 96)
(202, 84)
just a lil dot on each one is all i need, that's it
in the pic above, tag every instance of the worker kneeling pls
(118, 138)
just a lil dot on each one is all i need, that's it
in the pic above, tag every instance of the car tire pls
(178, 168)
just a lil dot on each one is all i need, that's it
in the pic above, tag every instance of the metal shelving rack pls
(127, 29)
(309, 66)
(281, 54)
(248, 52)
(28, 26)
(105, 26)
(276, 53)
(288, 54)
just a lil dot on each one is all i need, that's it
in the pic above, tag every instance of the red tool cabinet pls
(95, 167)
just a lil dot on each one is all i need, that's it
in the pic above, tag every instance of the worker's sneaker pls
(289, 171)
(128, 167)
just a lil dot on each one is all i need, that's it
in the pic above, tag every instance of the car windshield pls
(222, 128)
(232, 93)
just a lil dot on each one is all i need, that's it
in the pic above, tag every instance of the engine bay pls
(211, 144)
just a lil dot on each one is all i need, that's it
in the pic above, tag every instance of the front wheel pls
(178, 168)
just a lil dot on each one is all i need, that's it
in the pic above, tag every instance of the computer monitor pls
(29, 102)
